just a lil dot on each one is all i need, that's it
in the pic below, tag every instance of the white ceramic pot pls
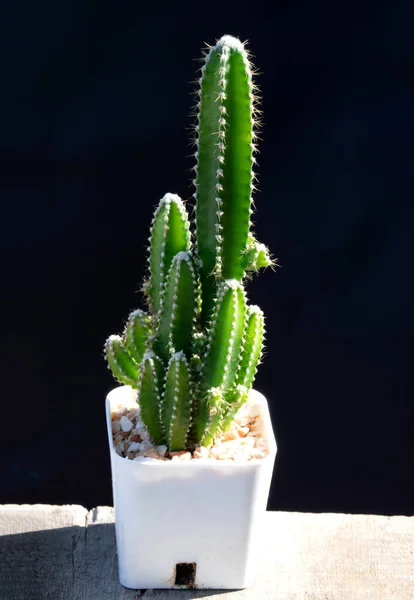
(193, 523)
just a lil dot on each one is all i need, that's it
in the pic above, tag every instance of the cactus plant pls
(193, 356)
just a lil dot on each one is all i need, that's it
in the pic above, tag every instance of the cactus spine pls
(194, 356)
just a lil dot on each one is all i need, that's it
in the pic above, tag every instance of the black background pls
(95, 102)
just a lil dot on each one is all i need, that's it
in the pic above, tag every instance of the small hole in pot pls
(185, 574)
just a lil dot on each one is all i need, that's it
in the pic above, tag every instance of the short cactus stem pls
(170, 234)
(178, 309)
(149, 394)
(176, 408)
(209, 422)
(235, 400)
(253, 346)
(136, 334)
(123, 367)
(257, 256)
(224, 343)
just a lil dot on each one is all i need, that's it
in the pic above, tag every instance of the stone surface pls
(67, 553)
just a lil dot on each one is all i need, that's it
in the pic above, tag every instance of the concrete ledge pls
(68, 553)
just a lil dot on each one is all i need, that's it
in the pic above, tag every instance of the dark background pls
(95, 99)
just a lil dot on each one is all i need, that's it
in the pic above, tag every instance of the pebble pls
(201, 452)
(134, 447)
(132, 414)
(146, 445)
(118, 438)
(178, 453)
(248, 441)
(118, 413)
(242, 421)
(230, 435)
(151, 452)
(243, 431)
(162, 450)
(143, 459)
(126, 424)
(257, 453)
(241, 456)
(116, 427)
(262, 444)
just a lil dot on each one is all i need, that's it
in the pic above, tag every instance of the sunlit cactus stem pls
(235, 400)
(178, 310)
(213, 406)
(253, 346)
(222, 351)
(224, 170)
(256, 256)
(149, 394)
(123, 367)
(170, 234)
(136, 334)
(176, 406)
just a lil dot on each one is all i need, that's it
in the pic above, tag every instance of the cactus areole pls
(193, 354)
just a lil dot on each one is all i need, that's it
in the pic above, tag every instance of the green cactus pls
(149, 391)
(170, 234)
(136, 334)
(120, 362)
(176, 321)
(176, 406)
(194, 355)
(224, 180)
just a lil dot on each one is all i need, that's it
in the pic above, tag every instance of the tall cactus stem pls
(224, 170)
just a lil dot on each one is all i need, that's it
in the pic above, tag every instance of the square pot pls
(191, 523)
